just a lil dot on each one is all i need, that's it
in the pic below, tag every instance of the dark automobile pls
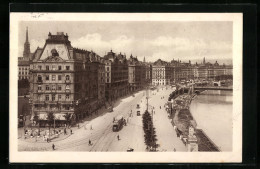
(130, 150)
(138, 113)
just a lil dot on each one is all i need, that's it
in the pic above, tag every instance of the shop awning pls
(58, 116)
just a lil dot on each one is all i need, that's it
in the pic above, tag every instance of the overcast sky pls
(154, 40)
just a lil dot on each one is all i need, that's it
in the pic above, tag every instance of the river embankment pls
(182, 119)
(213, 111)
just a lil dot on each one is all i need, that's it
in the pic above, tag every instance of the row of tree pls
(51, 118)
(149, 132)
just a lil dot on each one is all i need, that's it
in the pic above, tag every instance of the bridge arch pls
(216, 83)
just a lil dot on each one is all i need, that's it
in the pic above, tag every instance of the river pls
(212, 111)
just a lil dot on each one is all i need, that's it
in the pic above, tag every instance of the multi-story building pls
(116, 76)
(136, 74)
(186, 72)
(59, 83)
(24, 67)
(162, 73)
(101, 82)
(148, 73)
(97, 80)
(228, 69)
(210, 71)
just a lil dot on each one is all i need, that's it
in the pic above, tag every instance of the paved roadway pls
(131, 136)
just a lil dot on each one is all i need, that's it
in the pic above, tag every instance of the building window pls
(53, 87)
(59, 97)
(47, 87)
(40, 67)
(47, 77)
(59, 77)
(39, 77)
(67, 87)
(53, 77)
(107, 80)
(67, 67)
(67, 77)
(67, 97)
(107, 68)
(67, 107)
(59, 67)
(53, 97)
(47, 68)
(59, 87)
(47, 97)
(53, 67)
(39, 87)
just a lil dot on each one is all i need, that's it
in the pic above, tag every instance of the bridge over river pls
(212, 88)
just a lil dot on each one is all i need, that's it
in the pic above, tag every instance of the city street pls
(99, 130)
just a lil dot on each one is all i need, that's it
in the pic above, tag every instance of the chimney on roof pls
(49, 35)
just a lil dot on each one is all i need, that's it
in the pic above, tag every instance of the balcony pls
(39, 81)
(66, 102)
(67, 81)
(67, 91)
(38, 102)
(53, 91)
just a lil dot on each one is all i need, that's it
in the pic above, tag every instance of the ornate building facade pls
(60, 80)
(162, 73)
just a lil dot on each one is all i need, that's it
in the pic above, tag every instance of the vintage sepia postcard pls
(125, 87)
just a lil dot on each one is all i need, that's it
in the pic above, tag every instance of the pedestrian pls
(53, 147)
(160, 107)
(78, 126)
(118, 137)
(70, 131)
(174, 149)
(47, 140)
(91, 127)
(89, 142)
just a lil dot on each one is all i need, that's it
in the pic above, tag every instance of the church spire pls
(204, 60)
(27, 35)
(144, 59)
(26, 50)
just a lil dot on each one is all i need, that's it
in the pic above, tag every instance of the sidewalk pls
(79, 134)
(167, 138)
